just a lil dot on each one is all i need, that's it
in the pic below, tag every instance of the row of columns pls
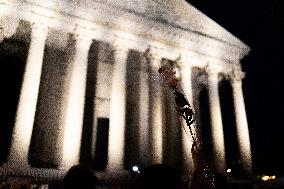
(216, 118)
(73, 115)
(74, 104)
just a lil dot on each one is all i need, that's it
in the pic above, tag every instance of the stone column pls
(186, 84)
(116, 140)
(144, 145)
(216, 120)
(155, 108)
(22, 133)
(241, 121)
(74, 102)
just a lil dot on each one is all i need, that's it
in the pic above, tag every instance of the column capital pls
(39, 31)
(8, 26)
(212, 75)
(180, 60)
(120, 45)
(83, 37)
(41, 25)
(154, 57)
(184, 65)
(152, 53)
(82, 31)
(236, 76)
(211, 70)
(83, 41)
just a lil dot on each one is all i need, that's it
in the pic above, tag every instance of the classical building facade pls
(89, 69)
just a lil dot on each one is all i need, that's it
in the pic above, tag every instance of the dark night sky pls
(260, 24)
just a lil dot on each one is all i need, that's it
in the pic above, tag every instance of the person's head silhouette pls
(221, 181)
(159, 176)
(78, 177)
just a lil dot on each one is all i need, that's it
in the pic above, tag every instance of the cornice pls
(106, 24)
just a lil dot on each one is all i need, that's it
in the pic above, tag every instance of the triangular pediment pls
(177, 13)
(174, 13)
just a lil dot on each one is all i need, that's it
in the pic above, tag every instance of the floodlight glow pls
(229, 170)
(265, 178)
(135, 168)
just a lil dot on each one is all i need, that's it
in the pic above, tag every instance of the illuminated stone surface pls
(18, 156)
(158, 30)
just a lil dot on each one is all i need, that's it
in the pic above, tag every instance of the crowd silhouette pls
(159, 176)
(155, 176)
(78, 177)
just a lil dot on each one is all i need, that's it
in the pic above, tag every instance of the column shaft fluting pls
(242, 126)
(156, 113)
(22, 133)
(116, 141)
(74, 104)
(216, 121)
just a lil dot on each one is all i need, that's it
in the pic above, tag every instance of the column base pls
(115, 178)
(15, 166)
(38, 174)
(107, 179)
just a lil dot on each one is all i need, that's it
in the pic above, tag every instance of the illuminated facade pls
(118, 38)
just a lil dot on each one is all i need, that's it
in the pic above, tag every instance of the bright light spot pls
(265, 178)
(135, 168)
(229, 170)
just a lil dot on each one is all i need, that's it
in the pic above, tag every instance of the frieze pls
(143, 28)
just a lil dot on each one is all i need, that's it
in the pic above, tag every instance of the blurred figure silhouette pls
(219, 182)
(78, 177)
(205, 177)
(159, 176)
